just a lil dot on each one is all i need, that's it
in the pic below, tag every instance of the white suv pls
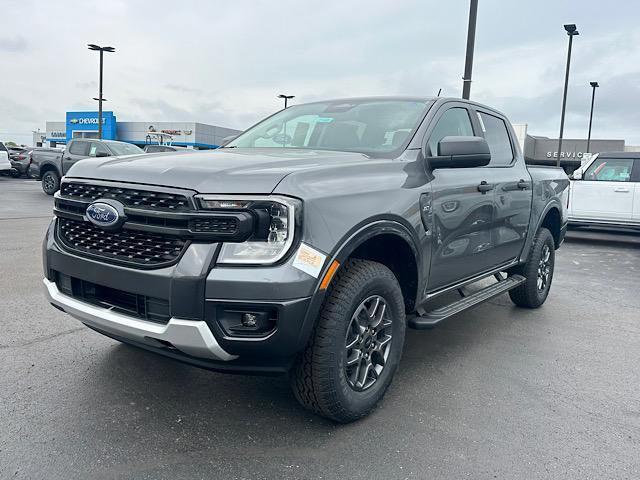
(5, 164)
(606, 191)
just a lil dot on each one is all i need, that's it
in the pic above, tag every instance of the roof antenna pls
(439, 90)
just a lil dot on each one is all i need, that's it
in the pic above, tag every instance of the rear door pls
(605, 193)
(512, 187)
(75, 151)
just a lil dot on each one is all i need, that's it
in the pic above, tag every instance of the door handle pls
(621, 189)
(523, 184)
(484, 187)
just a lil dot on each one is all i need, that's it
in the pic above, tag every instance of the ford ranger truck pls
(309, 243)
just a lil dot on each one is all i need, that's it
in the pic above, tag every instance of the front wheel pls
(356, 346)
(538, 272)
(50, 182)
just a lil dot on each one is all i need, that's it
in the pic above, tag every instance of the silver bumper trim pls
(189, 336)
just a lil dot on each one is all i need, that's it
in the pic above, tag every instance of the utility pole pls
(471, 42)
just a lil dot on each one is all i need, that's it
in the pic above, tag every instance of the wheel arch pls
(48, 167)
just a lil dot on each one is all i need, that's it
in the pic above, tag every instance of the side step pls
(432, 318)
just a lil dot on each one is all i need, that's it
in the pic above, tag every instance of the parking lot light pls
(100, 99)
(594, 85)
(286, 97)
(571, 30)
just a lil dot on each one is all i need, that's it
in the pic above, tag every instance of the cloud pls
(15, 44)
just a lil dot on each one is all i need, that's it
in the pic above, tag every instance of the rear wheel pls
(356, 345)
(538, 272)
(50, 182)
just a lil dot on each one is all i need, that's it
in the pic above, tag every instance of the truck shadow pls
(600, 237)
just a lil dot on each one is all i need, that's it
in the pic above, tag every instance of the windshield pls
(367, 126)
(121, 148)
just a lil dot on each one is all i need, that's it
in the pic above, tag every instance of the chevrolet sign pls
(85, 121)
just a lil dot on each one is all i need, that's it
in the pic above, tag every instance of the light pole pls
(594, 85)
(286, 97)
(100, 49)
(571, 31)
(471, 42)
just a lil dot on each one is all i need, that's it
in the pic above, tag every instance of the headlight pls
(275, 219)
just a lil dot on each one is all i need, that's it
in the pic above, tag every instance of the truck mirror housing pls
(577, 175)
(461, 152)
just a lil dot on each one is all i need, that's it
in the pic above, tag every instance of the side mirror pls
(102, 154)
(461, 152)
(577, 175)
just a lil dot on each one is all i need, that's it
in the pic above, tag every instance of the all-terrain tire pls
(319, 378)
(50, 182)
(538, 272)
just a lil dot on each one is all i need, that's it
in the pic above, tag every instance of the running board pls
(432, 318)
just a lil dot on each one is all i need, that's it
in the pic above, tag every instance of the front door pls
(462, 214)
(605, 192)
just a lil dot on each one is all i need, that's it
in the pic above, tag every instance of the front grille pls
(130, 197)
(220, 225)
(133, 247)
(147, 308)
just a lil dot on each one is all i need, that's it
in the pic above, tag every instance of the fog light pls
(249, 320)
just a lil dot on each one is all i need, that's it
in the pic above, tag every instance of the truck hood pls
(228, 171)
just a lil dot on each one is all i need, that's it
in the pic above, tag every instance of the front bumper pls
(191, 337)
(197, 291)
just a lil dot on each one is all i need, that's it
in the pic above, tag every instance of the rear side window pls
(79, 148)
(453, 122)
(497, 136)
(610, 170)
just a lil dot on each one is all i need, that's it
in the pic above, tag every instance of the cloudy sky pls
(223, 62)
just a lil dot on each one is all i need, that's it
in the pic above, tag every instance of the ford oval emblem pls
(102, 214)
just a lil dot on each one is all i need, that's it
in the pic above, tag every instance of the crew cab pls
(310, 242)
(50, 165)
(605, 191)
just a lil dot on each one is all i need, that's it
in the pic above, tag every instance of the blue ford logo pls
(102, 214)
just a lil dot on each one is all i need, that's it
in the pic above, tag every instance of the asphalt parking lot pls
(497, 392)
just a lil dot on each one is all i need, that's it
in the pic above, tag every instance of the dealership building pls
(85, 125)
(539, 150)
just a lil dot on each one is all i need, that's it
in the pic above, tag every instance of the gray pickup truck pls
(50, 164)
(309, 243)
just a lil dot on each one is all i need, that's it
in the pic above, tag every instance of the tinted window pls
(98, 148)
(368, 126)
(453, 122)
(497, 136)
(610, 170)
(79, 148)
(122, 148)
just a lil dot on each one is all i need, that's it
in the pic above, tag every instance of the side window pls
(497, 136)
(79, 148)
(98, 148)
(453, 122)
(610, 170)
